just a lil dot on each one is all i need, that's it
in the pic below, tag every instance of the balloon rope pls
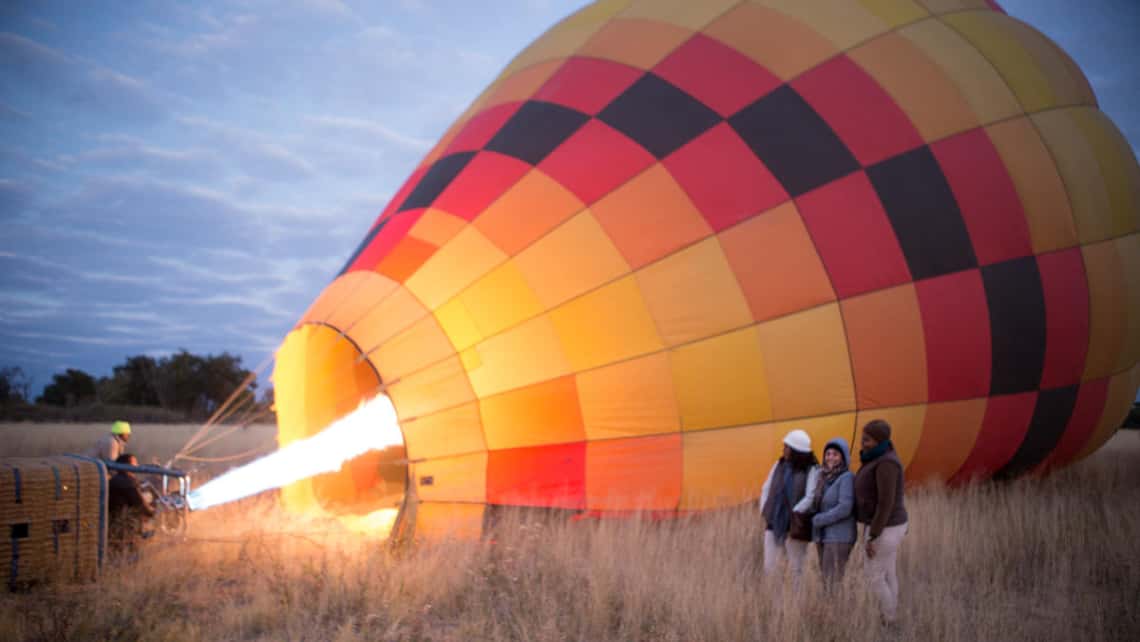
(214, 460)
(229, 431)
(206, 428)
(201, 432)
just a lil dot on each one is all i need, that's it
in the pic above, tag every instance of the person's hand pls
(871, 549)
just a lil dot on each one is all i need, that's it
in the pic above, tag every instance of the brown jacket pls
(107, 448)
(879, 493)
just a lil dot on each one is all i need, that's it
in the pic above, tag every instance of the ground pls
(1032, 559)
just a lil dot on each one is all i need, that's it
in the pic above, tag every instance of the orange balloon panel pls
(672, 231)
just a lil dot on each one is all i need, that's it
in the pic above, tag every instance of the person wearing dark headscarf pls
(833, 525)
(880, 508)
(789, 488)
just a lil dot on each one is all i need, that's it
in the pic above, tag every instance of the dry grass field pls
(153, 443)
(1051, 559)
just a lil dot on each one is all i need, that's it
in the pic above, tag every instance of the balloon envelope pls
(670, 232)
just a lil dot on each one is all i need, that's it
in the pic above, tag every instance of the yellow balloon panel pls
(444, 385)
(457, 321)
(1107, 308)
(721, 381)
(888, 347)
(693, 294)
(947, 6)
(1076, 159)
(988, 94)
(500, 300)
(629, 398)
(543, 264)
(776, 264)
(640, 474)
(393, 314)
(526, 212)
(683, 13)
(994, 36)
(455, 266)
(1117, 168)
(654, 195)
(523, 84)
(360, 297)
(780, 43)
(635, 42)
(331, 297)
(808, 366)
(917, 84)
(841, 22)
(461, 478)
(1068, 84)
(949, 431)
(414, 349)
(607, 325)
(454, 431)
(896, 12)
(1039, 185)
(526, 354)
(1128, 248)
(567, 36)
(437, 227)
(1121, 392)
(544, 413)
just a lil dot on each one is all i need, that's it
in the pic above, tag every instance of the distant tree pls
(223, 375)
(132, 383)
(196, 385)
(72, 388)
(14, 385)
(192, 385)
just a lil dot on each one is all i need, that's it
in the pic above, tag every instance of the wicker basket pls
(54, 514)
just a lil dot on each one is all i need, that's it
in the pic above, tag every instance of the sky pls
(191, 175)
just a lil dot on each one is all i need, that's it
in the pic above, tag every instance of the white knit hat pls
(798, 441)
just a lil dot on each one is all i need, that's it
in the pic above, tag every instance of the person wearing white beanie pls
(789, 490)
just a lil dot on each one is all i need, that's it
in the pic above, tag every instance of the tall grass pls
(153, 443)
(1034, 559)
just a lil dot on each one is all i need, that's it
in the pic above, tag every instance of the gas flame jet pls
(372, 426)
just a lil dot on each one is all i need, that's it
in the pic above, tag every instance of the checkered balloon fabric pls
(670, 232)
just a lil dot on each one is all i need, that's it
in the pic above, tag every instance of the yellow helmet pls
(120, 428)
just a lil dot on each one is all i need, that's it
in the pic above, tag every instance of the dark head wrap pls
(878, 429)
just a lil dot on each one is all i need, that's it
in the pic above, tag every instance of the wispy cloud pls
(256, 152)
(27, 65)
(11, 113)
(138, 156)
(91, 340)
(335, 8)
(376, 131)
(232, 301)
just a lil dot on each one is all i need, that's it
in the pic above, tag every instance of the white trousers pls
(775, 551)
(881, 572)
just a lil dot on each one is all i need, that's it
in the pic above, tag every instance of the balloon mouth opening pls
(324, 383)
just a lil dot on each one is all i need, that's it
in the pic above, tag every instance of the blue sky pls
(190, 175)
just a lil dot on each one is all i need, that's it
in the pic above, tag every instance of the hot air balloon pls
(671, 231)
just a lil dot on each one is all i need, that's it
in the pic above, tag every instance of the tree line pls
(182, 385)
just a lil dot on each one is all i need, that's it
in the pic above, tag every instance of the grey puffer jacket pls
(835, 521)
